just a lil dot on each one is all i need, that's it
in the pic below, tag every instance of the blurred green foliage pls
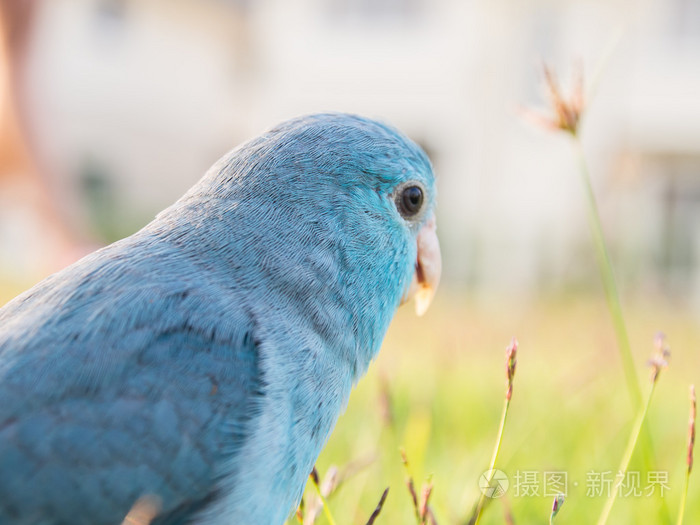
(444, 379)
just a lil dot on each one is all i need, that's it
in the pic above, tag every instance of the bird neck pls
(337, 285)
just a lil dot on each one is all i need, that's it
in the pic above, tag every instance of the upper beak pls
(428, 268)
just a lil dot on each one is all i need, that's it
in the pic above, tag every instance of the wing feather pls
(121, 377)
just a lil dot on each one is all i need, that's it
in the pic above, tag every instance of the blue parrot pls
(203, 361)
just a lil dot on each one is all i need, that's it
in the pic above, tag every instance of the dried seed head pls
(511, 352)
(404, 457)
(425, 499)
(660, 357)
(691, 428)
(409, 482)
(330, 481)
(314, 476)
(566, 114)
(414, 496)
(558, 502)
(380, 505)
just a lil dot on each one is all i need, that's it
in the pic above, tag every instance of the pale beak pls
(428, 268)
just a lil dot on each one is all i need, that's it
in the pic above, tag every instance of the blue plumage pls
(204, 360)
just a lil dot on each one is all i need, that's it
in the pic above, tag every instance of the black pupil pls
(412, 198)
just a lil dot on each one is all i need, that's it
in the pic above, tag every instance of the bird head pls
(381, 181)
(328, 205)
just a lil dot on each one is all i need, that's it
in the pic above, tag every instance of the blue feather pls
(205, 359)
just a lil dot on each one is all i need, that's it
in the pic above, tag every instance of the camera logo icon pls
(493, 483)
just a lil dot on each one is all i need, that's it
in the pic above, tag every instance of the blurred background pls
(111, 109)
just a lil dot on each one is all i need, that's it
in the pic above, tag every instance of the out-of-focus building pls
(131, 101)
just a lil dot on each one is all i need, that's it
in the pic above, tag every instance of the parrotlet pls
(201, 363)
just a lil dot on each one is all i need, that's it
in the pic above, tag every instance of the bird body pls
(204, 360)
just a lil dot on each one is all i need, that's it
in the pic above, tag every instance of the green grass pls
(570, 411)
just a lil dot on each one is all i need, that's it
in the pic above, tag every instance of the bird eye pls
(410, 200)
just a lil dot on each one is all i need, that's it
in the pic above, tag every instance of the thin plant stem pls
(497, 448)
(624, 464)
(689, 457)
(613, 300)
(511, 361)
(609, 284)
(684, 496)
(324, 502)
